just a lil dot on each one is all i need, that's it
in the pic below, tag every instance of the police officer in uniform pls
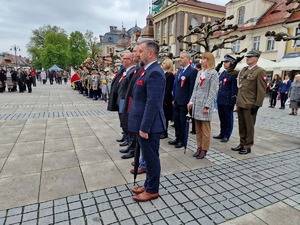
(226, 97)
(252, 82)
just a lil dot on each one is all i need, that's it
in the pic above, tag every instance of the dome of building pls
(148, 30)
(122, 42)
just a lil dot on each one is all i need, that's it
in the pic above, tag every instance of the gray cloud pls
(19, 17)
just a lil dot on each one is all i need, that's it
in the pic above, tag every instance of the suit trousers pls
(203, 131)
(150, 151)
(179, 114)
(246, 127)
(225, 116)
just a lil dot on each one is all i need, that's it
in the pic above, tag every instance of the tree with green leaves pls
(56, 50)
(78, 48)
(92, 43)
(36, 44)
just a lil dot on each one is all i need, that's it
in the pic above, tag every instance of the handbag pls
(288, 101)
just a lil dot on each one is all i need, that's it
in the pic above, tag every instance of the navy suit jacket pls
(146, 111)
(183, 94)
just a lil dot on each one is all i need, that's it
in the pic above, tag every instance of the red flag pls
(74, 76)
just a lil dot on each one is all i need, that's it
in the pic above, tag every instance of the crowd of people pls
(22, 79)
(286, 91)
(14, 80)
(148, 95)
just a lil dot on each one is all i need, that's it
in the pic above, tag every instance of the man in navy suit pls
(184, 85)
(146, 117)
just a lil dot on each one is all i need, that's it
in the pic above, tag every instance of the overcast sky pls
(19, 17)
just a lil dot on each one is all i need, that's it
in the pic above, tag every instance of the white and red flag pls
(74, 76)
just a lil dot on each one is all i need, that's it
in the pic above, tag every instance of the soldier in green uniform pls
(252, 83)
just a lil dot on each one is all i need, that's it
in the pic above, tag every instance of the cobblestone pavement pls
(228, 188)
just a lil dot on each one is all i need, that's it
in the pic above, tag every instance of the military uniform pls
(252, 88)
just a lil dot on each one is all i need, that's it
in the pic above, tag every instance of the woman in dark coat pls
(167, 66)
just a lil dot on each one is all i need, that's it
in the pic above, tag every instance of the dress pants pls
(179, 114)
(225, 116)
(246, 127)
(283, 98)
(150, 151)
(203, 131)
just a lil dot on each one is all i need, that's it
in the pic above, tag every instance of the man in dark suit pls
(184, 85)
(113, 94)
(124, 82)
(146, 117)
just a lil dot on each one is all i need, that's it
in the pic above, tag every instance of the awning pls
(291, 55)
(266, 64)
(288, 64)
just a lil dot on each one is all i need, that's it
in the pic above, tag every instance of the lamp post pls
(15, 48)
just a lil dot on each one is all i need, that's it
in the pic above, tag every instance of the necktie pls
(180, 74)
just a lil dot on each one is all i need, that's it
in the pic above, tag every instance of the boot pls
(202, 154)
(197, 152)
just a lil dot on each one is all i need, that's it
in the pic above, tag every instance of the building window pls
(241, 15)
(297, 42)
(194, 22)
(171, 26)
(236, 46)
(270, 44)
(256, 43)
(218, 52)
(165, 29)
(158, 29)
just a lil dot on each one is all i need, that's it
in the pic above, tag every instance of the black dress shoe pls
(245, 151)
(225, 139)
(121, 140)
(125, 143)
(179, 145)
(163, 136)
(238, 148)
(124, 150)
(218, 137)
(174, 142)
(129, 155)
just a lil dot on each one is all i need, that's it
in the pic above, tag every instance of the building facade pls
(173, 18)
(269, 15)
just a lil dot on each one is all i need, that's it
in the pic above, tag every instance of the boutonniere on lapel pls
(122, 78)
(182, 81)
(140, 82)
(202, 78)
(224, 81)
(143, 73)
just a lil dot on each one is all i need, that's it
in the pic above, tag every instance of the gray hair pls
(188, 55)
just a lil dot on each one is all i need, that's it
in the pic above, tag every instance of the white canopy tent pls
(266, 64)
(288, 64)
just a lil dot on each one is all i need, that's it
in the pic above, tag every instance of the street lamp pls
(15, 48)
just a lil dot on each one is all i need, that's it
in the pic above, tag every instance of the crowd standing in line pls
(147, 96)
